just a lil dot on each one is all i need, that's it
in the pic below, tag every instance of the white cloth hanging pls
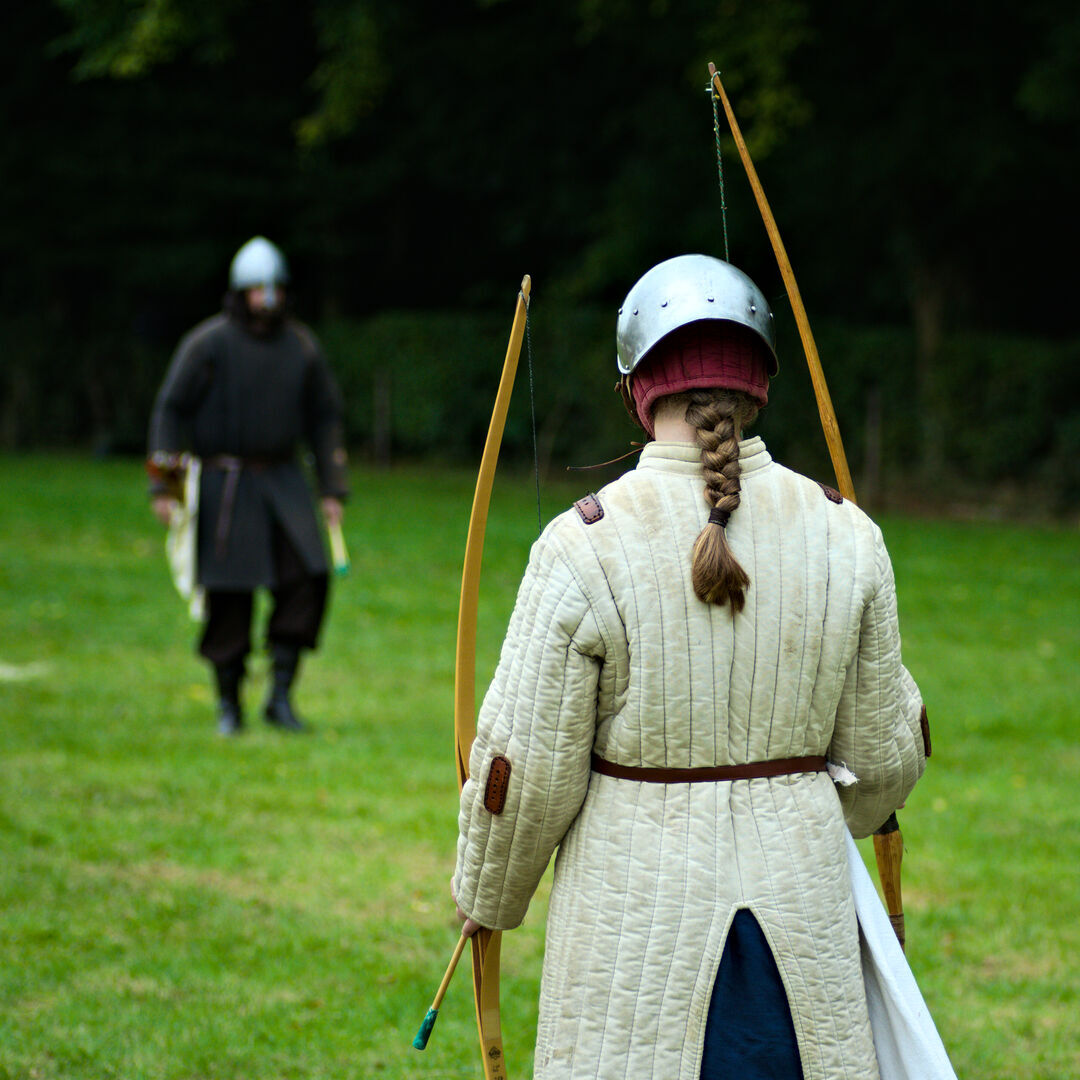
(182, 542)
(907, 1042)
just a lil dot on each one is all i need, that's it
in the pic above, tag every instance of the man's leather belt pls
(232, 461)
(751, 770)
(232, 465)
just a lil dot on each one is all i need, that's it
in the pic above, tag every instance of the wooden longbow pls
(888, 841)
(485, 943)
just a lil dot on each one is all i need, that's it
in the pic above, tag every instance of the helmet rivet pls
(753, 309)
(710, 298)
(620, 311)
(635, 311)
(663, 303)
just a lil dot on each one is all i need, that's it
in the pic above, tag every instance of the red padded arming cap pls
(701, 355)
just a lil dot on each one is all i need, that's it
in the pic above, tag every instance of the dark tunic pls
(231, 395)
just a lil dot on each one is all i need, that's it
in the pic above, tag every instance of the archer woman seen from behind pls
(694, 655)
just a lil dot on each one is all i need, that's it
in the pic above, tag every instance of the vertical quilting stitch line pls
(718, 710)
(521, 686)
(903, 732)
(566, 691)
(831, 690)
(555, 961)
(597, 600)
(724, 791)
(856, 1017)
(799, 1021)
(780, 595)
(713, 960)
(756, 595)
(633, 619)
(686, 801)
(653, 564)
(721, 705)
(500, 726)
(859, 611)
(529, 682)
(563, 892)
(797, 745)
(571, 680)
(625, 892)
(759, 600)
(668, 538)
(882, 628)
(723, 619)
(784, 962)
(604, 842)
(905, 727)
(664, 794)
(603, 821)
(616, 646)
(616, 631)
(674, 522)
(842, 1027)
(713, 889)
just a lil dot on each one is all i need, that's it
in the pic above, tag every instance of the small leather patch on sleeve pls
(831, 493)
(924, 723)
(497, 783)
(590, 509)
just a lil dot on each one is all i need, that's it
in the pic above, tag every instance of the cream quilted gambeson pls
(609, 650)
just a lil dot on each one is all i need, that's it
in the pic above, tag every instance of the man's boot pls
(229, 677)
(279, 710)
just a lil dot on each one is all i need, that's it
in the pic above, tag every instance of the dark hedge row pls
(1002, 410)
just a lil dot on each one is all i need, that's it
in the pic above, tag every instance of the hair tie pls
(719, 517)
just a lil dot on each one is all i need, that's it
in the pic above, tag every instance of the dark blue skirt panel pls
(749, 1034)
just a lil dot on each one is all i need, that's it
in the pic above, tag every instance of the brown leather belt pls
(233, 462)
(751, 770)
(231, 466)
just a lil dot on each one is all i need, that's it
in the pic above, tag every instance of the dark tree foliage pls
(932, 187)
(939, 157)
(420, 156)
(405, 154)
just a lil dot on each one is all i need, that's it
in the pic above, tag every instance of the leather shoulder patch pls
(498, 782)
(831, 493)
(590, 509)
(924, 723)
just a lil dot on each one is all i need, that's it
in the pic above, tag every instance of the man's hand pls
(333, 510)
(163, 507)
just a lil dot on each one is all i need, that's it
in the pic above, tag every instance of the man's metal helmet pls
(689, 289)
(258, 264)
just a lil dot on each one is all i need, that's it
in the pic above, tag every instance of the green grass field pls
(178, 906)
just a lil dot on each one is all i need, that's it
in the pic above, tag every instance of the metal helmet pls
(258, 263)
(688, 289)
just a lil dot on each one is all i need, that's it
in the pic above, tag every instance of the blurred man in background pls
(245, 389)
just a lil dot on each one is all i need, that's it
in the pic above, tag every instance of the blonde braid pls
(719, 417)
